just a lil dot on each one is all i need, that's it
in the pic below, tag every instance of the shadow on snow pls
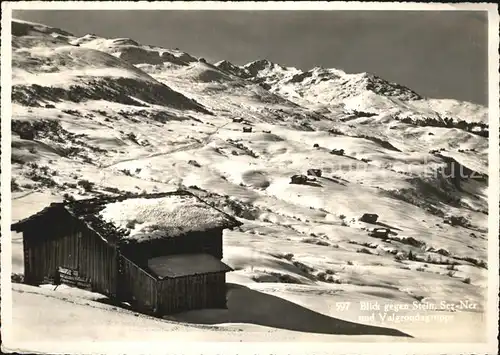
(245, 305)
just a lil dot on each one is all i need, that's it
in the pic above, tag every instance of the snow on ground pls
(302, 252)
(258, 313)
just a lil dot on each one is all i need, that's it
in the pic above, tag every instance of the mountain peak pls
(259, 62)
(383, 87)
(259, 65)
(225, 64)
(230, 68)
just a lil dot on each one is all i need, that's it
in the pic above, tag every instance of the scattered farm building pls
(160, 252)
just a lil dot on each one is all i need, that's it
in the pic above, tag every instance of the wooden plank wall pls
(51, 244)
(97, 261)
(48, 245)
(212, 243)
(209, 242)
(139, 287)
(57, 241)
(192, 292)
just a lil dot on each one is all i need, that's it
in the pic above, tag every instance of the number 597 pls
(342, 306)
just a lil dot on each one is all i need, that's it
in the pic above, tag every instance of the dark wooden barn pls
(159, 252)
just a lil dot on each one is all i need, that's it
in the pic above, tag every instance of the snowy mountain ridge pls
(316, 87)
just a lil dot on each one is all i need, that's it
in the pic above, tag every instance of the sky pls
(439, 54)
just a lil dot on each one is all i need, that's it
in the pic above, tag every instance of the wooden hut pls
(159, 252)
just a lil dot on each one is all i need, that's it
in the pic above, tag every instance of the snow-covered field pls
(98, 116)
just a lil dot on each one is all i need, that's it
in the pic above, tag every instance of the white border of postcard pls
(124, 347)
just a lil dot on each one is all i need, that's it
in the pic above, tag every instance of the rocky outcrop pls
(314, 172)
(194, 163)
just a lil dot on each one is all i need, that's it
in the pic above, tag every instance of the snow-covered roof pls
(141, 218)
(180, 265)
(168, 216)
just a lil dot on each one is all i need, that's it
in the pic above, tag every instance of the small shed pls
(160, 252)
(369, 218)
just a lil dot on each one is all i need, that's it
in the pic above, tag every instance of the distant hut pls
(298, 179)
(159, 252)
(382, 233)
(369, 218)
